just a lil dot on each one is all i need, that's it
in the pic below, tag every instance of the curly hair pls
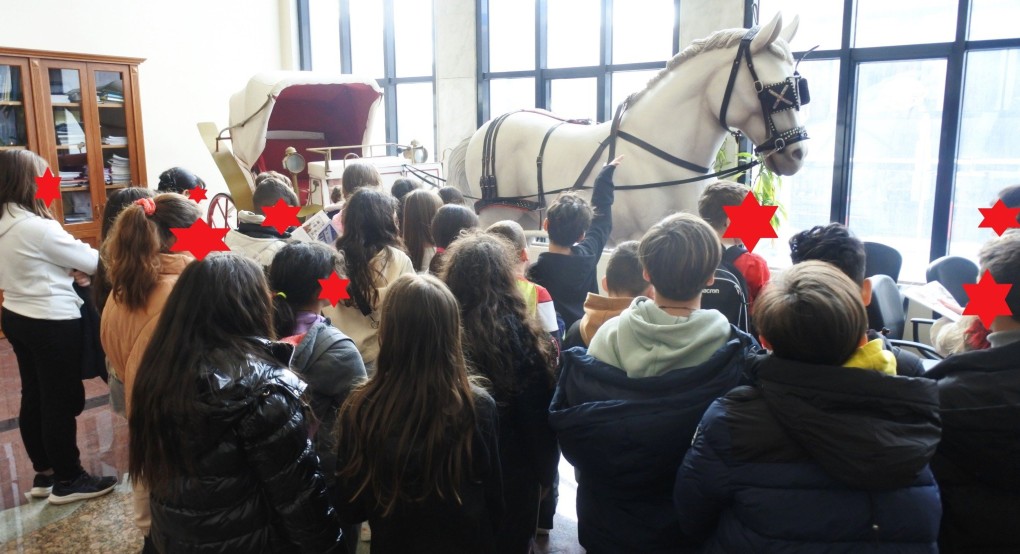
(369, 227)
(832, 243)
(499, 334)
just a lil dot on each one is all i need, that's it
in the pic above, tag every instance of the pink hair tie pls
(147, 204)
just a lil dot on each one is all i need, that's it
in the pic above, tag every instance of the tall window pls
(578, 58)
(389, 40)
(913, 127)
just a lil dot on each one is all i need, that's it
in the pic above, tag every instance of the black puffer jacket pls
(977, 463)
(258, 486)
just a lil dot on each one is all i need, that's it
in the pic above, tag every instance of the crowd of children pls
(434, 403)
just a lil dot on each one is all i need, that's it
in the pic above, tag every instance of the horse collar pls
(790, 93)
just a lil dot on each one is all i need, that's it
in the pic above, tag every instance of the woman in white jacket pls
(42, 320)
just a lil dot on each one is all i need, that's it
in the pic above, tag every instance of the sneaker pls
(82, 488)
(41, 485)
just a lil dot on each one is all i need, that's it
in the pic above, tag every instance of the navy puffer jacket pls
(257, 486)
(626, 437)
(814, 458)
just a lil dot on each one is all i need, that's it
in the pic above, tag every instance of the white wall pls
(198, 53)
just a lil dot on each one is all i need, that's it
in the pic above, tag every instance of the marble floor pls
(105, 525)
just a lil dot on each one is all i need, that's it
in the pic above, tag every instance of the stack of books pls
(120, 170)
(73, 179)
(115, 141)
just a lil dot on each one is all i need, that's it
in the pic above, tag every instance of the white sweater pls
(36, 257)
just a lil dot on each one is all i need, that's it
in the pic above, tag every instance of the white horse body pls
(678, 112)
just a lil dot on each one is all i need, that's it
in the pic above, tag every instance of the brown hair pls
(452, 195)
(115, 204)
(269, 189)
(569, 218)
(623, 271)
(1001, 257)
(357, 175)
(18, 170)
(418, 409)
(715, 197)
(812, 313)
(499, 333)
(449, 221)
(369, 228)
(131, 252)
(166, 409)
(680, 254)
(420, 206)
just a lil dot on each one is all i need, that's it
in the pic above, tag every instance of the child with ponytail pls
(142, 271)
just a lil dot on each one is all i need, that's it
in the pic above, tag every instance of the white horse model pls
(671, 130)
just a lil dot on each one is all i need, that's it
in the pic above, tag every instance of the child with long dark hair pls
(418, 448)
(324, 357)
(420, 206)
(375, 257)
(218, 431)
(142, 271)
(506, 345)
(42, 320)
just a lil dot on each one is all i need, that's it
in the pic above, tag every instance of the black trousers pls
(52, 394)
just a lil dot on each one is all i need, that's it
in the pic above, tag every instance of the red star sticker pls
(334, 289)
(200, 239)
(280, 216)
(47, 187)
(750, 221)
(999, 217)
(197, 194)
(987, 299)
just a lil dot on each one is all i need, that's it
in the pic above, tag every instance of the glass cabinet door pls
(13, 106)
(69, 136)
(113, 129)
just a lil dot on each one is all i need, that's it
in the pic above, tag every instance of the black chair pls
(885, 314)
(882, 260)
(953, 272)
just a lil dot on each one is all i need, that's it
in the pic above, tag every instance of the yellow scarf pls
(873, 356)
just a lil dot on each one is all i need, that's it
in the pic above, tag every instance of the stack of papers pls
(120, 170)
(115, 141)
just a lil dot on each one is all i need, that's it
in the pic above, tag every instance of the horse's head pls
(764, 94)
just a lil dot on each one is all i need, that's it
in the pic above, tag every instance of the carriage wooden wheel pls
(222, 213)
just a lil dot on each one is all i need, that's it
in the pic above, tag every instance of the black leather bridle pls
(789, 94)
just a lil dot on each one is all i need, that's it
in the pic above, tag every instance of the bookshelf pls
(82, 114)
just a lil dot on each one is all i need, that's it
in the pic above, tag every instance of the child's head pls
(294, 279)
(831, 243)
(514, 234)
(449, 221)
(357, 175)
(568, 219)
(178, 179)
(370, 226)
(275, 175)
(401, 187)
(420, 206)
(141, 232)
(624, 275)
(715, 197)
(1001, 257)
(18, 170)
(451, 195)
(415, 302)
(811, 313)
(269, 190)
(1010, 196)
(118, 201)
(680, 255)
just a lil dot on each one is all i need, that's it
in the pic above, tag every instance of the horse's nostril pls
(798, 154)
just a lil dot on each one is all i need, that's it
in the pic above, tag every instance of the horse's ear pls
(790, 30)
(767, 34)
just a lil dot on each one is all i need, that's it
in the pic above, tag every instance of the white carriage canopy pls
(302, 110)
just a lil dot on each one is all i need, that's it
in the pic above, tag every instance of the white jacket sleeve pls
(60, 248)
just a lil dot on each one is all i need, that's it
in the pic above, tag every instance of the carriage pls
(281, 117)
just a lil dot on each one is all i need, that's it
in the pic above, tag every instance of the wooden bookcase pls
(82, 113)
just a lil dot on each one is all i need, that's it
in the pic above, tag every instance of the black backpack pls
(728, 293)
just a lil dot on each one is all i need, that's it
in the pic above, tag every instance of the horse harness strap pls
(789, 94)
(662, 154)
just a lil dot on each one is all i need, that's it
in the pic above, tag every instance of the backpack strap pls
(731, 254)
